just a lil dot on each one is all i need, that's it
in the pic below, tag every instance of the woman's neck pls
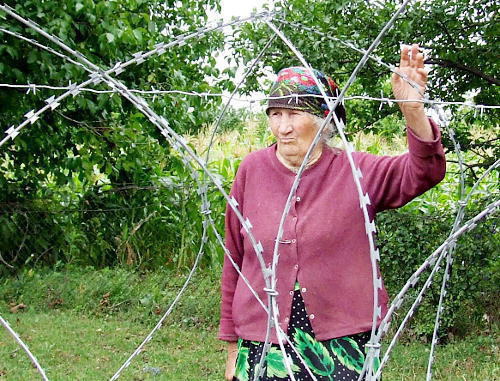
(294, 164)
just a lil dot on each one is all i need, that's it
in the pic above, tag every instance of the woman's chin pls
(289, 153)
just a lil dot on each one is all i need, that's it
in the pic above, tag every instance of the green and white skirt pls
(335, 359)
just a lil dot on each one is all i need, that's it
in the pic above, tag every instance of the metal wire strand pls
(98, 75)
(25, 348)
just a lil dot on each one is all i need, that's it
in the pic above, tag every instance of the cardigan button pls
(294, 240)
(304, 289)
(298, 198)
(291, 292)
(296, 267)
(311, 316)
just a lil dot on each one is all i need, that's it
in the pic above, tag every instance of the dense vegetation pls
(94, 184)
(75, 185)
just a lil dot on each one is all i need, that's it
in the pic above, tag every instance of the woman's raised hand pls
(412, 67)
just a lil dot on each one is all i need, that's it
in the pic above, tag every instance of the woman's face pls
(294, 131)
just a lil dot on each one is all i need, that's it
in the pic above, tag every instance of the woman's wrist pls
(411, 110)
(417, 120)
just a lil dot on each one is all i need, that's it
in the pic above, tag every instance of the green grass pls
(74, 347)
(470, 359)
(79, 333)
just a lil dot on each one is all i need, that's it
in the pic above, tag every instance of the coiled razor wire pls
(117, 69)
(436, 256)
(460, 213)
(374, 348)
(177, 142)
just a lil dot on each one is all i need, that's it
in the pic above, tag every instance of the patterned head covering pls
(298, 80)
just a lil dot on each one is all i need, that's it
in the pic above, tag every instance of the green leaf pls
(151, 27)
(315, 355)
(276, 364)
(242, 366)
(79, 7)
(138, 34)
(110, 37)
(348, 353)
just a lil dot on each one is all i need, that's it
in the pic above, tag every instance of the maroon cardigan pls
(328, 250)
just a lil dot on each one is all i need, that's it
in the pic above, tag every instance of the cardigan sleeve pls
(392, 182)
(234, 246)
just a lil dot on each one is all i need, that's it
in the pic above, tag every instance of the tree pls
(86, 153)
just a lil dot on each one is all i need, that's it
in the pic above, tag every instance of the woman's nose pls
(286, 125)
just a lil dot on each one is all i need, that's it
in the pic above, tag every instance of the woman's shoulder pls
(362, 159)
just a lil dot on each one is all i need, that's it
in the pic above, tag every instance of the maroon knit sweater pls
(327, 249)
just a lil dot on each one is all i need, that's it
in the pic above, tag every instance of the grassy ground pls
(82, 324)
(73, 347)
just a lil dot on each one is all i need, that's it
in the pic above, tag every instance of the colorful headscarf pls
(298, 80)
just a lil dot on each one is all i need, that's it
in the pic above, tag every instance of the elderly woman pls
(324, 277)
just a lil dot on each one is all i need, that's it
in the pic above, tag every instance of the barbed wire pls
(33, 88)
(96, 76)
(175, 140)
(450, 251)
(178, 143)
(373, 348)
(445, 122)
(435, 257)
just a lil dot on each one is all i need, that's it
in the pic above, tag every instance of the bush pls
(406, 239)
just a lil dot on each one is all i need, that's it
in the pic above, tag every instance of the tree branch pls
(481, 144)
(462, 67)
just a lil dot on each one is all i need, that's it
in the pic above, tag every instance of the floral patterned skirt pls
(335, 359)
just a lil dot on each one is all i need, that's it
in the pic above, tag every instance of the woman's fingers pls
(424, 73)
(415, 55)
(419, 61)
(405, 57)
(412, 68)
(411, 57)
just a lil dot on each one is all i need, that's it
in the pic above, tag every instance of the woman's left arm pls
(412, 66)
(393, 181)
